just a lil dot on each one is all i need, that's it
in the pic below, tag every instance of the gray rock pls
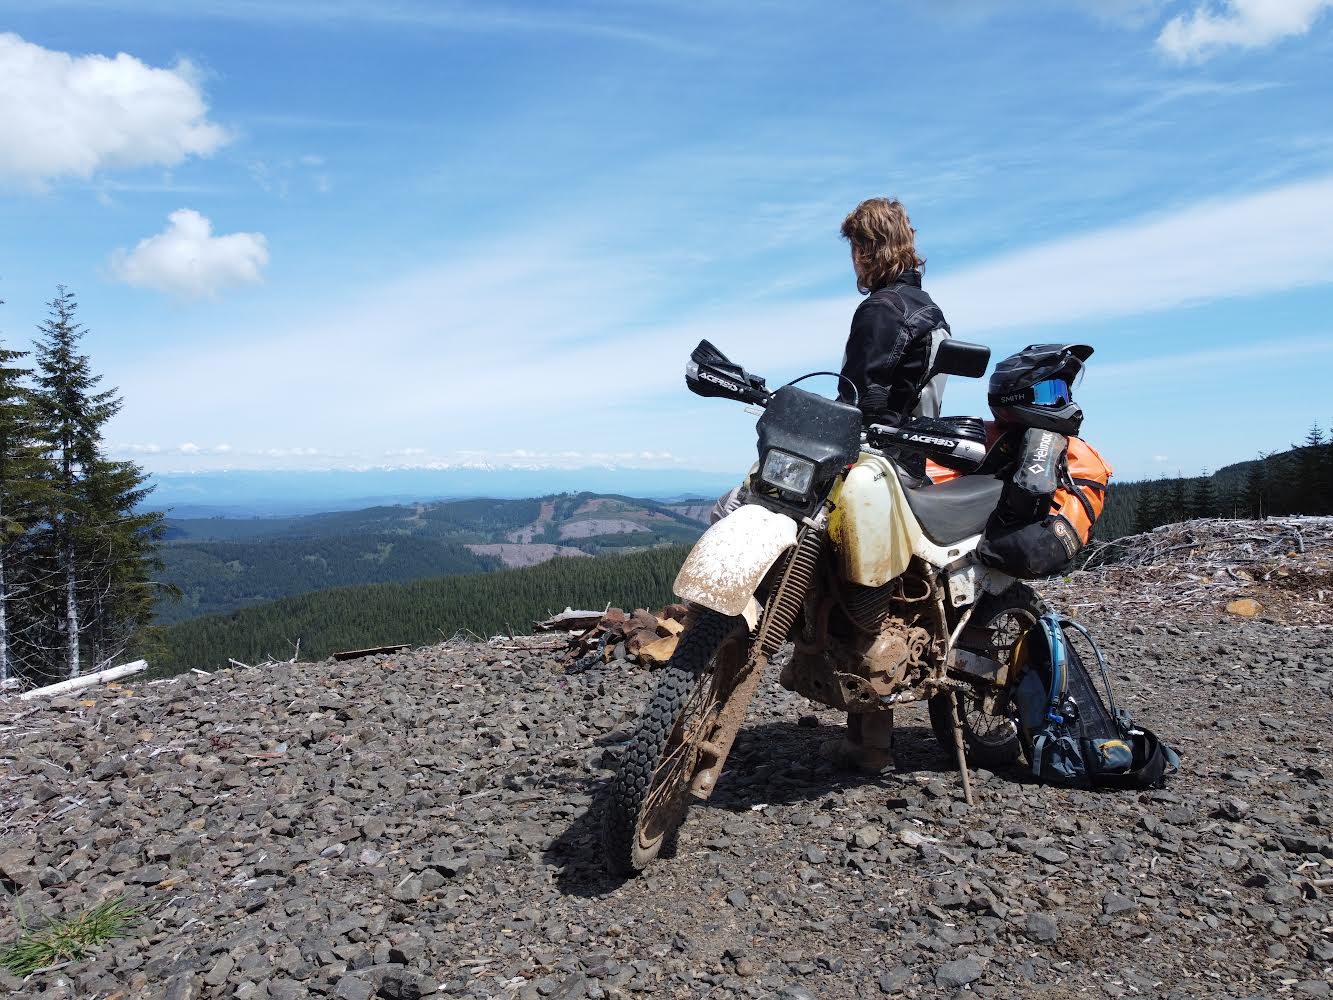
(353, 987)
(866, 837)
(959, 972)
(1114, 903)
(1042, 927)
(894, 980)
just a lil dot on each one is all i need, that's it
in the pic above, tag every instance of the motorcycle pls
(870, 577)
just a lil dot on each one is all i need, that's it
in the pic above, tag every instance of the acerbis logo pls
(927, 439)
(710, 377)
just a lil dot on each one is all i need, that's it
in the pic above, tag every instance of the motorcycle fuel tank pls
(869, 526)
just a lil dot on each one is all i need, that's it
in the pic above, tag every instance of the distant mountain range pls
(241, 493)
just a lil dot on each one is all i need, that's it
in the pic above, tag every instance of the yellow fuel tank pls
(869, 532)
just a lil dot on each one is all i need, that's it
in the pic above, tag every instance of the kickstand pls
(961, 747)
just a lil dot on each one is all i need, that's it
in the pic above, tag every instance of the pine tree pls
(1308, 497)
(100, 547)
(1179, 507)
(1256, 489)
(118, 552)
(1203, 501)
(24, 492)
(1148, 514)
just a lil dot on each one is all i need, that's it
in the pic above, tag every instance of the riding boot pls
(867, 745)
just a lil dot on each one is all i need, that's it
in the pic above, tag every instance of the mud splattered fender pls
(729, 562)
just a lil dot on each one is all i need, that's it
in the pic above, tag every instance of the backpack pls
(1069, 735)
(1054, 492)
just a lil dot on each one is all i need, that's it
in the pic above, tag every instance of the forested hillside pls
(1296, 481)
(419, 612)
(214, 577)
(223, 564)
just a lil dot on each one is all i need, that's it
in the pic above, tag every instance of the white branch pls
(86, 680)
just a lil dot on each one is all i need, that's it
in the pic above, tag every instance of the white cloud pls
(187, 259)
(64, 115)
(188, 448)
(1245, 24)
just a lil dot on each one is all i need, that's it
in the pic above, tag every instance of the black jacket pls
(889, 349)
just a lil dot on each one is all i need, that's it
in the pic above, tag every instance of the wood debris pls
(639, 636)
(1280, 569)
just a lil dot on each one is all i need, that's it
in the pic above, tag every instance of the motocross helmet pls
(1035, 387)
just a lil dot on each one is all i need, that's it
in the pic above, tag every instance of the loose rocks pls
(425, 824)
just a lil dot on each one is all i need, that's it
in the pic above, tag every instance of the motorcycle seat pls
(954, 510)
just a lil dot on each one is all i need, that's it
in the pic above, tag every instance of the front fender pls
(728, 563)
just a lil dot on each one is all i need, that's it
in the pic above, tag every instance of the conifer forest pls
(77, 545)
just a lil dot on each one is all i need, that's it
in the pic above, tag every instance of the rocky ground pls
(423, 824)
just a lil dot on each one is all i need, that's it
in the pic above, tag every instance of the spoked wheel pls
(992, 739)
(670, 751)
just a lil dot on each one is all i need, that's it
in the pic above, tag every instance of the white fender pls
(728, 563)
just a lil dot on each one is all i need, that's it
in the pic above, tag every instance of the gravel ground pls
(420, 824)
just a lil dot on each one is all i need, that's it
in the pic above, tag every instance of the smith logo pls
(710, 377)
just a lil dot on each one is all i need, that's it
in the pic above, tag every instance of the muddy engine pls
(868, 648)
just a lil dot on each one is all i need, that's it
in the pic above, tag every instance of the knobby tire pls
(641, 757)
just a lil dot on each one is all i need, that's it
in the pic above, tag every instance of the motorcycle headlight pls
(787, 472)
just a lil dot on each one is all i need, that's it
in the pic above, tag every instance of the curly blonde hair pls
(883, 242)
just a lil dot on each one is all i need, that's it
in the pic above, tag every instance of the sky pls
(366, 233)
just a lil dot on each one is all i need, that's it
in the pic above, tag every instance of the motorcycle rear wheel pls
(992, 740)
(650, 792)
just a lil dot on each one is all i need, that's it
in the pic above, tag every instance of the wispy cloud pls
(589, 21)
(1239, 245)
(1171, 366)
(1244, 24)
(453, 354)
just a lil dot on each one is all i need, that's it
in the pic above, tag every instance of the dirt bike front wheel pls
(649, 794)
(992, 740)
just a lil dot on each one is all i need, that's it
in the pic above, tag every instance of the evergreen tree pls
(24, 495)
(1308, 496)
(118, 552)
(101, 548)
(1145, 515)
(1179, 508)
(1256, 489)
(1203, 501)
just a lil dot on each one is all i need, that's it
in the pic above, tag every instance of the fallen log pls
(356, 654)
(569, 620)
(86, 681)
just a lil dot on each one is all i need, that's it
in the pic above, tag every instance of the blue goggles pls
(1052, 392)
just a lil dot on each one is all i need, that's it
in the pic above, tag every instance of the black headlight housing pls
(799, 427)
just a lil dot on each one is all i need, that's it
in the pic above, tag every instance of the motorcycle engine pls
(869, 646)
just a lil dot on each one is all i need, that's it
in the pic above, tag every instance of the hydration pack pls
(1070, 735)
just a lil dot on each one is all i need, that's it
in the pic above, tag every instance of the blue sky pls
(349, 234)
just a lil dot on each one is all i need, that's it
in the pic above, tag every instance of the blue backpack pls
(1069, 734)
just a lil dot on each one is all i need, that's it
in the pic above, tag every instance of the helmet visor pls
(1052, 392)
